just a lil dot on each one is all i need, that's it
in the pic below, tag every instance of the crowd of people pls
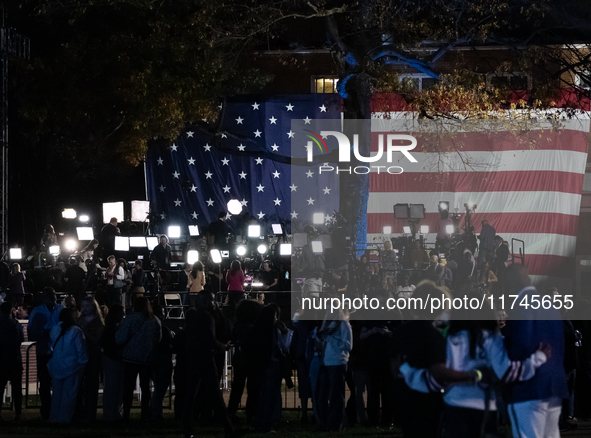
(464, 374)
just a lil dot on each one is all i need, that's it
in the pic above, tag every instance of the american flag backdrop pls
(247, 157)
(528, 186)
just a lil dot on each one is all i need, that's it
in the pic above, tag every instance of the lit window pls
(418, 81)
(583, 80)
(324, 84)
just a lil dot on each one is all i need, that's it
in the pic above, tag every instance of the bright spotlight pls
(254, 231)
(16, 253)
(318, 218)
(443, 205)
(193, 230)
(83, 218)
(174, 232)
(152, 242)
(277, 229)
(406, 229)
(241, 250)
(112, 209)
(285, 249)
(121, 243)
(140, 210)
(216, 256)
(71, 245)
(387, 230)
(262, 249)
(69, 213)
(54, 250)
(449, 229)
(85, 233)
(424, 229)
(317, 246)
(192, 256)
(137, 242)
(234, 206)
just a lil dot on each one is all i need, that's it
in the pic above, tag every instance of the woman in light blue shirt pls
(66, 366)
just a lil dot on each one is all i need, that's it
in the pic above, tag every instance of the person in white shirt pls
(405, 289)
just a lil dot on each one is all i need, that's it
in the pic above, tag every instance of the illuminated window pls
(324, 84)
(418, 81)
(583, 79)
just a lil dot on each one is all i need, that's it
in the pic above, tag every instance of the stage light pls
(152, 242)
(257, 284)
(121, 243)
(71, 245)
(192, 256)
(16, 253)
(83, 218)
(225, 254)
(216, 256)
(138, 242)
(417, 211)
(85, 233)
(241, 250)
(401, 211)
(443, 205)
(262, 249)
(140, 210)
(54, 250)
(193, 230)
(277, 229)
(234, 206)
(318, 218)
(254, 231)
(406, 229)
(449, 229)
(387, 230)
(112, 209)
(69, 213)
(174, 232)
(424, 229)
(316, 246)
(285, 249)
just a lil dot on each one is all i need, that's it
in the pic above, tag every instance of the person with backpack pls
(11, 361)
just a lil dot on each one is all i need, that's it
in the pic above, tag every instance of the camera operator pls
(268, 276)
(162, 254)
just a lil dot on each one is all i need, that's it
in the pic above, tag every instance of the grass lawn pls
(32, 426)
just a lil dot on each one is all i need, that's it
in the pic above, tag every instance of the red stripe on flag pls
(552, 265)
(513, 181)
(567, 140)
(504, 223)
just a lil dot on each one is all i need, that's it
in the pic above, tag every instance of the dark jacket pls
(10, 343)
(138, 336)
(525, 330)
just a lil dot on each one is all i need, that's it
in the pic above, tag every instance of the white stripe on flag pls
(488, 202)
(478, 161)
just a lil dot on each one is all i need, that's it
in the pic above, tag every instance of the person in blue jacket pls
(534, 405)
